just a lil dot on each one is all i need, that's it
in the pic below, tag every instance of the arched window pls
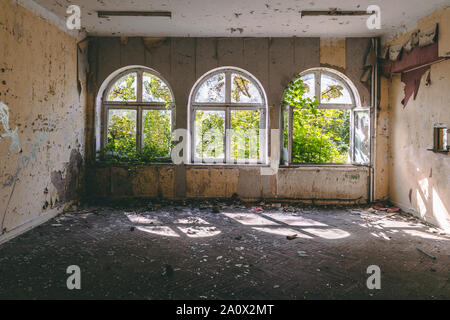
(228, 118)
(323, 121)
(137, 119)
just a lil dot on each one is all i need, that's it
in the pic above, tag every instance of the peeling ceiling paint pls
(237, 18)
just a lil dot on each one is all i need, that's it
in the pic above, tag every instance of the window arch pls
(137, 107)
(228, 118)
(323, 121)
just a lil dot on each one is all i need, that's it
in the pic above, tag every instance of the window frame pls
(139, 105)
(228, 106)
(355, 106)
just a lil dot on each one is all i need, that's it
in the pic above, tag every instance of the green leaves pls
(245, 134)
(294, 95)
(332, 92)
(210, 132)
(156, 90)
(121, 144)
(321, 136)
(124, 89)
(157, 134)
(121, 134)
(318, 135)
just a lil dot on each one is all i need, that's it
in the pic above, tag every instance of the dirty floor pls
(220, 251)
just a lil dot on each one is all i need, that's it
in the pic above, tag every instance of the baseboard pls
(427, 219)
(32, 223)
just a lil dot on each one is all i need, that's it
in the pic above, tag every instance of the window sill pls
(128, 164)
(228, 165)
(205, 165)
(325, 165)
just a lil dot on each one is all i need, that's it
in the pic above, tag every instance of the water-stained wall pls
(419, 179)
(274, 62)
(41, 119)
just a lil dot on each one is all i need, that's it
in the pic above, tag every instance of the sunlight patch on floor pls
(295, 220)
(250, 219)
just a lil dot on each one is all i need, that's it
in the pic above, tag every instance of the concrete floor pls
(220, 251)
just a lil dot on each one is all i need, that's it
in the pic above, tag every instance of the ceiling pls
(240, 18)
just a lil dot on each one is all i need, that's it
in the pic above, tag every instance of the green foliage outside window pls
(156, 90)
(156, 124)
(124, 89)
(157, 134)
(122, 133)
(210, 131)
(245, 134)
(318, 135)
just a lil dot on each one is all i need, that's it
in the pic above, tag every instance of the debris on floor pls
(183, 250)
(426, 254)
(302, 254)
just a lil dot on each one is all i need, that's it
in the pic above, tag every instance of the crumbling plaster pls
(274, 62)
(419, 180)
(38, 84)
(236, 18)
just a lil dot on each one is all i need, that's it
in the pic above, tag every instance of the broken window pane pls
(243, 90)
(121, 131)
(156, 133)
(212, 89)
(320, 135)
(334, 91)
(309, 84)
(245, 135)
(155, 90)
(209, 134)
(300, 91)
(123, 89)
(362, 136)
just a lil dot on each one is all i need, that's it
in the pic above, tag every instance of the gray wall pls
(181, 61)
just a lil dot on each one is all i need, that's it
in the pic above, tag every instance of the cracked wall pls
(419, 180)
(274, 62)
(40, 167)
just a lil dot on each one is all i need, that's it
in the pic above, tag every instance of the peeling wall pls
(420, 179)
(332, 53)
(274, 62)
(39, 89)
(382, 142)
(312, 184)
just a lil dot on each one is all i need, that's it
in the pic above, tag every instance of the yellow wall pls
(38, 84)
(332, 53)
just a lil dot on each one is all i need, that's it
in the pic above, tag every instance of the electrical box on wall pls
(440, 138)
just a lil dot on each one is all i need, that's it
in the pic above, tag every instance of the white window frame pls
(227, 107)
(139, 105)
(354, 106)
